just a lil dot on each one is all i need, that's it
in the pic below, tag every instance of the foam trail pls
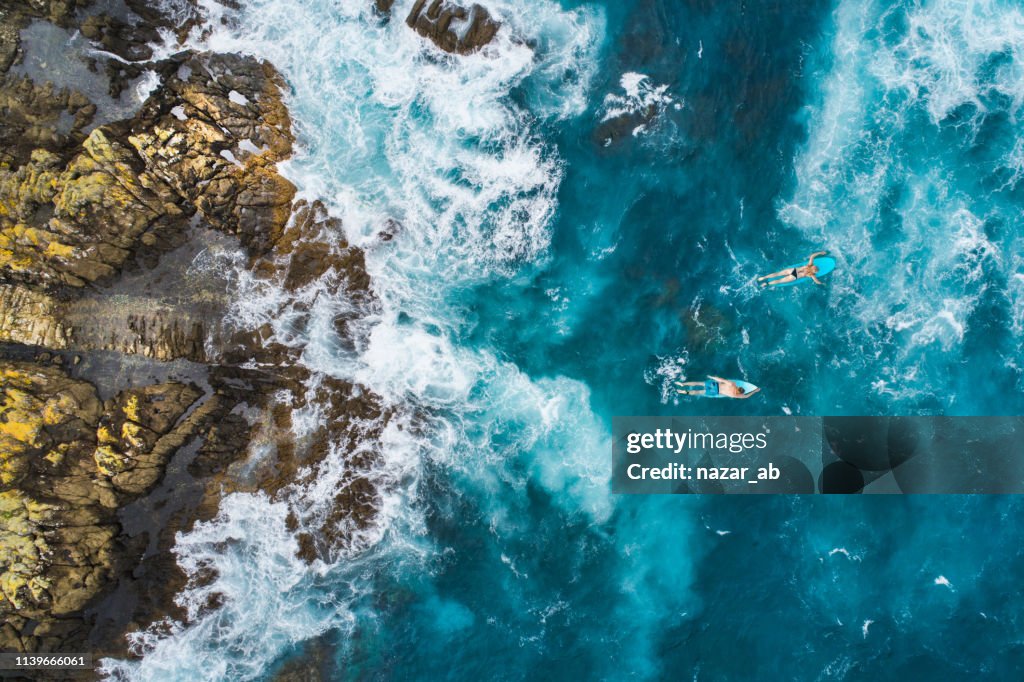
(905, 92)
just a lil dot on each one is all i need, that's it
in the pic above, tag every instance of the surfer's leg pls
(695, 384)
(781, 280)
(780, 273)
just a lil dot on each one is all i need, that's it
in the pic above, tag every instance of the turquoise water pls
(554, 269)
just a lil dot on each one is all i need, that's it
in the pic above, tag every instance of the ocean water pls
(563, 256)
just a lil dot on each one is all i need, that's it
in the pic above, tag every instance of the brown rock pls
(39, 117)
(81, 224)
(314, 245)
(81, 210)
(214, 131)
(31, 318)
(441, 21)
(59, 546)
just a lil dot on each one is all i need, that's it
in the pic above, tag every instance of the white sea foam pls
(879, 186)
(256, 577)
(670, 369)
(391, 128)
(944, 55)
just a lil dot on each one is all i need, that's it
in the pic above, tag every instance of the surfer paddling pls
(793, 274)
(716, 387)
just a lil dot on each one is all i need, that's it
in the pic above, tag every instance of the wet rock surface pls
(451, 27)
(39, 117)
(78, 224)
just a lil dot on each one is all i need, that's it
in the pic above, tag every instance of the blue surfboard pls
(826, 264)
(745, 385)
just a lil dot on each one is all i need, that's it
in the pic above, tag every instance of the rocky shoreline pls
(128, 406)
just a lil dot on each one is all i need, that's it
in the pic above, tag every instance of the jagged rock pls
(129, 434)
(60, 12)
(52, 542)
(352, 419)
(142, 326)
(80, 210)
(10, 40)
(31, 318)
(208, 139)
(441, 20)
(36, 116)
(45, 419)
(79, 225)
(128, 41)
(59, 491)
(314, 245)
(214, 131)
(391, 230)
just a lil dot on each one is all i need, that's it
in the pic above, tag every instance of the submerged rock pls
(60, 12)
(34, 117)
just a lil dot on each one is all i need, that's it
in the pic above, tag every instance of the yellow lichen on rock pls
(22, 548)
(131, 408)
(21, 417)
(30, 186)
(21, 424)
(109, 461)
(79, 224)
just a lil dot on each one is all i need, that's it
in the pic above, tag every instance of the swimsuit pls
(793, 273)
(710, 387)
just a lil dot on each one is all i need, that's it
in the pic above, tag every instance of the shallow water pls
(554, 269)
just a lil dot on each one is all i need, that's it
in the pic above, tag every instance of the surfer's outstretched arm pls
(810, 261)
(817, 281)
(749, 393)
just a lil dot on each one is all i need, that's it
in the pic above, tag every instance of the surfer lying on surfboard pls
(716, 387)
(794, 273)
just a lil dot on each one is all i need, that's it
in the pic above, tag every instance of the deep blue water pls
(608, 264)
